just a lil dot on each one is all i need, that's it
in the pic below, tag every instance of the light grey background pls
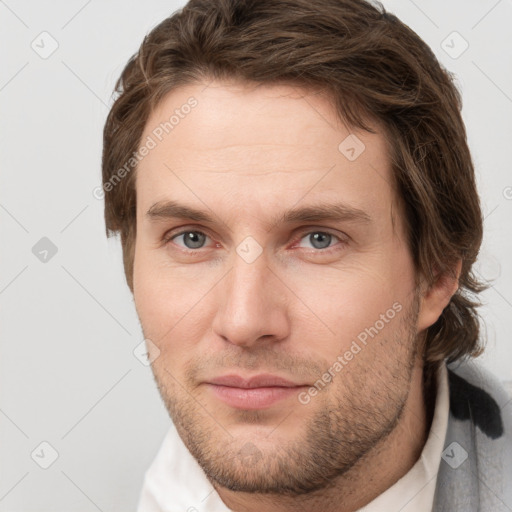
(68, 326)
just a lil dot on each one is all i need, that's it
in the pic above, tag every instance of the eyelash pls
(168, 237)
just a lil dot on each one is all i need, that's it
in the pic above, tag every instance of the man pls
(299, 218)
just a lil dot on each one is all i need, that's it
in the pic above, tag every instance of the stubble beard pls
(343, 429)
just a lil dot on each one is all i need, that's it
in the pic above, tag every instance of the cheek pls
(171, 303)
(154, 300)
(346, 304)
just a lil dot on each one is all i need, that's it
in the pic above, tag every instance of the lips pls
(249, 393)
(257, 381)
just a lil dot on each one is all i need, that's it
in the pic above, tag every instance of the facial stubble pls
(351, 417)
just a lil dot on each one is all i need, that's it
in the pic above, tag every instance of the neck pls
(373, 474)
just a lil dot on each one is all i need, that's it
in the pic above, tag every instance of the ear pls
(436, 297)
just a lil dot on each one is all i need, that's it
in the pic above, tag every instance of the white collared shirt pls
(191, 491)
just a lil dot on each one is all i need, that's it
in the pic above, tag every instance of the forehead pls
(251, 143)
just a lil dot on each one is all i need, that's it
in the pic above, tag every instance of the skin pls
(245, 155)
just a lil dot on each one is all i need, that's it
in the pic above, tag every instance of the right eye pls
(189, 239)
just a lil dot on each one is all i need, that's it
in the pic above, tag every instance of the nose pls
(252, 305)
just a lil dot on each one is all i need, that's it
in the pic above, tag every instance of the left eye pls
(318, 240)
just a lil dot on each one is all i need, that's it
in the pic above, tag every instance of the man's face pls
(293, 270)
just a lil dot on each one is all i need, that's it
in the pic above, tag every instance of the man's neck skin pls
(376, 472)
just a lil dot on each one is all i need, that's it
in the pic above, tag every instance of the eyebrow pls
(165, 210)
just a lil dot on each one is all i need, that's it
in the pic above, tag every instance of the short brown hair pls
(373, 67)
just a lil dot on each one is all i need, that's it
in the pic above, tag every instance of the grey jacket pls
(475, 474)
